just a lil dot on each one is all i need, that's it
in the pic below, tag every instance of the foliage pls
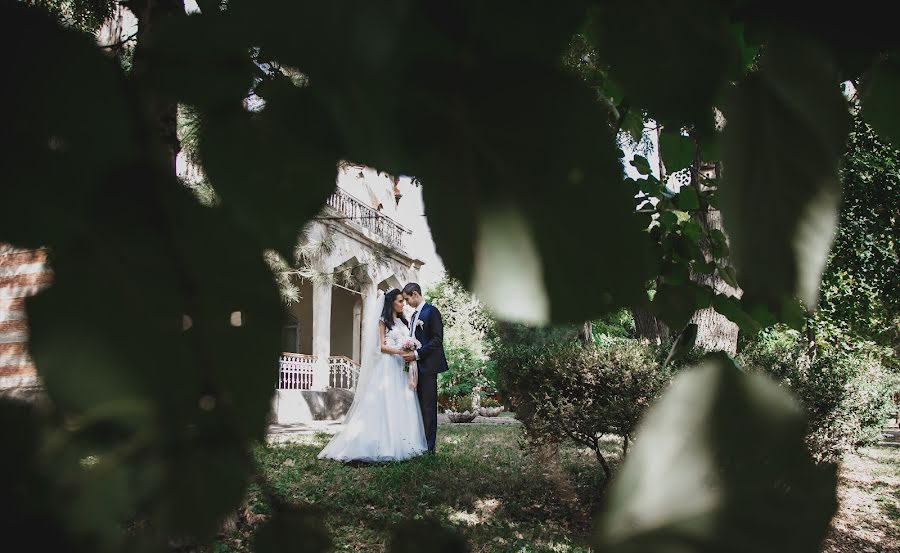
(490, 402)
(512, 150)
(778, 101)
(86, 15)
(618, 324)
(720, 428)
(466, 325)
(859, 288)
(461, 404)
(846, 390)
(567, 391)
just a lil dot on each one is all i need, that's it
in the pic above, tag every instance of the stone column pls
(321, 345)
(357, 328)
(369, 338)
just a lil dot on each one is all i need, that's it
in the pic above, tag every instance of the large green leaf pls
(69, 127)
(677, 151)
(274, 170)
(720, 464)
(785, 132)
(201, 60)
(678, 55)
(687, 199)
(729, 276)
(732, 309)
(684, 344)
(29, 512)
(641, 164)
(675, 305)
(512, 164)
(505, 132)
(167, 365)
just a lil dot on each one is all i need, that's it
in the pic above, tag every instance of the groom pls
(426, 325)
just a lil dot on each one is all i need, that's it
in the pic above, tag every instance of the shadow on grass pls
(843, 541)
(481, 483)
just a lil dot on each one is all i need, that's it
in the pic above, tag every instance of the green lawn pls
(483, 485)
(480, 483)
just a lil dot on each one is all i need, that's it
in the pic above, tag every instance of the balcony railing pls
(342, 372)
(296, 371)
(386, 229)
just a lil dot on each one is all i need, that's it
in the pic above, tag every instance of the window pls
(290, 334)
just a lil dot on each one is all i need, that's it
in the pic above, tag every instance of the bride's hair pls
(387, 314)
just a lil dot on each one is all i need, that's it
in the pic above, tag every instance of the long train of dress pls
(387, 423)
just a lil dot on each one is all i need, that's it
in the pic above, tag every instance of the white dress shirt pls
(412, 328)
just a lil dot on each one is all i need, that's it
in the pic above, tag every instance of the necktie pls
(412, 323)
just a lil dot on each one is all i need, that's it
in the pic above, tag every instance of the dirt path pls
(868, 518)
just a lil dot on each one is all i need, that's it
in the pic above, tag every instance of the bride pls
(384, 422)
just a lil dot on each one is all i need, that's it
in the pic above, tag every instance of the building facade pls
(329, 329)
(23, 273)
(326, 329)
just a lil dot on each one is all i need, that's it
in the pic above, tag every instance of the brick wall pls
(23, 273)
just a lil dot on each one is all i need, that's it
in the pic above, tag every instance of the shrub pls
(564, 390)
(618, 324)
(468, 370)
(490, 402)
(846, 390)
(466, 323)
(461, 404)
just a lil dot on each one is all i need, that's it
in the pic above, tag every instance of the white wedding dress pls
(384, 423)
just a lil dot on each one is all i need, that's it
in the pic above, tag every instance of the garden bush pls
(466, 324)
(490, 402)
(846, 390)
(567, 391)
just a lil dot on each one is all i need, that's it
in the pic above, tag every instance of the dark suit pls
(430, 333)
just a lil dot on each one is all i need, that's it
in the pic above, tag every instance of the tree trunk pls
(607, 472)
(586, 334)
(163, 111)
(714, 330)
(810, 339)
(648, 328)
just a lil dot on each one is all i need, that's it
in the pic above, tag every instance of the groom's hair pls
(412, 287)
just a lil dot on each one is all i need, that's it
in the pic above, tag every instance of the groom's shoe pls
(431, 451)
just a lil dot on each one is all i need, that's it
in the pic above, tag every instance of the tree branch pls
(119, 44)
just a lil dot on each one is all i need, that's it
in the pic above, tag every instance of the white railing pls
(296, 371)
(389, 231)
(343, 372)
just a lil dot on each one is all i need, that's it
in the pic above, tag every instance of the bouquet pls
(411, 344)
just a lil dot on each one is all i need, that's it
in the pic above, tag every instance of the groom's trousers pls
(427, 392)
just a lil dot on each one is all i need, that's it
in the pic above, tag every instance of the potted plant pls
(461, 409)
(490, 407)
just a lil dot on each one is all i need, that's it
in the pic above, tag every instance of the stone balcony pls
(343, 206)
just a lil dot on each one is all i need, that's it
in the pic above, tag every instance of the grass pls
(500, 498)
(868, 520)
(480, 483)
